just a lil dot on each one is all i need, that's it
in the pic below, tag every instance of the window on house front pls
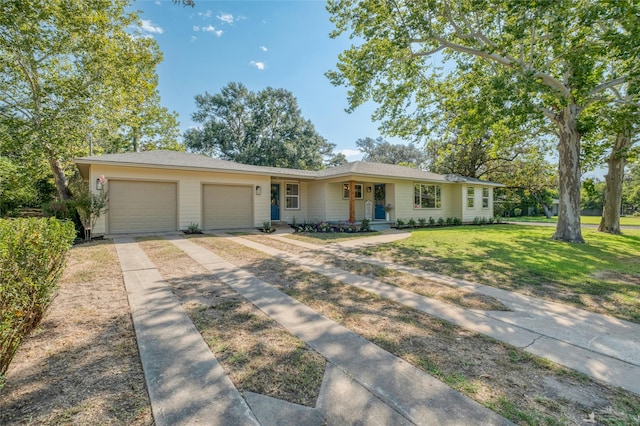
(471, 195)
(358, 191)
(292, 196)
(426, 196)
(485, 198)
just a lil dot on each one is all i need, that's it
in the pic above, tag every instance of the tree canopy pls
(263, 128)
(557, 54)
(380, 151)
(69, 69)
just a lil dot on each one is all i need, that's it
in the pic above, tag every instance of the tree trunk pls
(610, 221)
(568, 227)
(62, 184)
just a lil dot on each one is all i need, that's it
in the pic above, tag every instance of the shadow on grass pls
(526, 259)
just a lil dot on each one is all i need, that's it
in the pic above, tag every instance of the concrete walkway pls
(363, 384)
(600, 346)
(186, 384)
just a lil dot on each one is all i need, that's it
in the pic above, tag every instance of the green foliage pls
(440, 221)
(365, 226)
(263, 128)
(631, 190)
(422, 222)
(193, 228)
(592, 194)
(89, 205)
(432, 221)
(399, 223)
(380, 151)
(32, 258)
(411, 222)
(69, 69)
(520, 48)
(267, 227)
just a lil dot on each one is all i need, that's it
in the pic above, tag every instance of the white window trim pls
(473, 197)
(297, 197)
(488, 198)
(438, 199)
(361, 185)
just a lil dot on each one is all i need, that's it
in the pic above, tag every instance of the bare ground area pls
(81, 366)
(526, 389)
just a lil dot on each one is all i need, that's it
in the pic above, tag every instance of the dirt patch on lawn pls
(258, 354)
(618, 277)
(81, 366)
(524, 388)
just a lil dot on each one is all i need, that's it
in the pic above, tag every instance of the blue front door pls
(275, 201)
(380, 200)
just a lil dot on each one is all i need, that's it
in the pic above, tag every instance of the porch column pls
(352, 201)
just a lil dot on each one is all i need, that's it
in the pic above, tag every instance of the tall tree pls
(557, 52)
(63, 65)
(264, 128)
(380, 151)
(621, 129)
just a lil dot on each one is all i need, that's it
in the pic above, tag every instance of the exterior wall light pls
(258, 190)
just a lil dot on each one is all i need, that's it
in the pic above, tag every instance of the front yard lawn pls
(602, 275)
(585, 220)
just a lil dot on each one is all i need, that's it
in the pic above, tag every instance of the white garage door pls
(142, 206)
(227, 206)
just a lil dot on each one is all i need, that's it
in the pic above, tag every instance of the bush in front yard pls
(32, 257)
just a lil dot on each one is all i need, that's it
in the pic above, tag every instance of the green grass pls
(585, 220)
(602, 275)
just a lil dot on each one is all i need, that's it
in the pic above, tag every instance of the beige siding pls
(476, 211)
(227, 206)
(142, 206)
(189, 190)
(317, 201)
(288, 215)
(453, 206)
(337, 208)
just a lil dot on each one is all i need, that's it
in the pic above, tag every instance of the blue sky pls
(281, 44)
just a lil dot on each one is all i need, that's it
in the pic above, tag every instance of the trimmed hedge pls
(32, 258)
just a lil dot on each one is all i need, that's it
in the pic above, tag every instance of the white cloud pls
(149, 27)
(226, 17)
(259, 65)
(352, 154)
(208, 29)
(159, 3)
(264, 49)
(193, 38)
(206, 14)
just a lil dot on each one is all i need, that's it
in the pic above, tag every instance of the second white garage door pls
(227, 207)
(137, 206)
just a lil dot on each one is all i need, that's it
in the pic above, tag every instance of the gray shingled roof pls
(185, 160)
